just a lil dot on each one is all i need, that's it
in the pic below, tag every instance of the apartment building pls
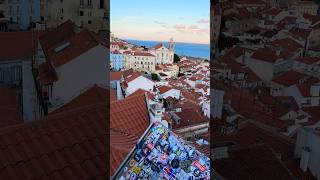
(89, 14)
(21, 13)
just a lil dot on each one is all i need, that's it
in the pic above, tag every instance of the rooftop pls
(68, 145)
(161, 153)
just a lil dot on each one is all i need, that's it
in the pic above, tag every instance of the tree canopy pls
(176, 58)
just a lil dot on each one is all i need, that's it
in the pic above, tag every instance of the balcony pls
(85, 7)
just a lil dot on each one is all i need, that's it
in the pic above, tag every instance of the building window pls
(89, 21)
(61, 17)
(101, 4)
(81, 3)
(42, 18)
(81, 13)
(89, 2)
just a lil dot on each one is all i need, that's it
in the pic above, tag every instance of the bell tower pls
(171, 44)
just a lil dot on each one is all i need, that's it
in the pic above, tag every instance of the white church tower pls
(171, 50)
(171, 44)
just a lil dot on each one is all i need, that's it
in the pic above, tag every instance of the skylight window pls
(62, 47)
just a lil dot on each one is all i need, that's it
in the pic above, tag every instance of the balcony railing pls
(82, 7)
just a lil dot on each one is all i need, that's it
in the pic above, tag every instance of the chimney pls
(278, 51)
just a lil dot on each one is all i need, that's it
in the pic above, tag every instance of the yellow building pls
(139, 61)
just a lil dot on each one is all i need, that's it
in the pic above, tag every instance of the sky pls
(159, 20)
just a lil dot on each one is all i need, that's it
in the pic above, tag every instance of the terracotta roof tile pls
(79, 44)
(308, 60)
(159, 45)
(39, 156)
(272, 11)
(9, 108)
(265, 54)
(113, 95)
(262, 163)
(74, 44)
(47, 73)
(164, 89)
(18, 45)
(128, 121)
(115, 75)
(142, 91)
(138, 53)
(291, 77)
(132, 76)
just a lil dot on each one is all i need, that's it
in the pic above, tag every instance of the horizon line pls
(165, 41)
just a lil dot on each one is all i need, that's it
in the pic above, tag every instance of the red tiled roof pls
(113, 95)
(128, 121)
(196, 77)
(272, 11)
(250, 134)
(159, 45)
(265, 54)
(308, 60)
(290, 78)
(17, 45)
(117, 43)
(253, 162)
(300, 33)
(312, 18)
(315, 48)
(10, 112)
(127, 52)
(142, 91)
(47, 73)
(115, 75)
(60, 34)
(241, 68)
(294, 167)
(314, 112)
(115, 52)
(200, 86)
(164, 89)
(68, 145)
(189, 116)
(93, 95)
(235, 52)
(246, 104)
(287, 44)
(132, 76)
(305, 88)
(79, 44)
(138, 53)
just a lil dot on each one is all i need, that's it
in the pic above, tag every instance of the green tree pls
(176, 58)
(155, 76)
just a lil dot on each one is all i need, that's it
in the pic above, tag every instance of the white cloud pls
(132, 18)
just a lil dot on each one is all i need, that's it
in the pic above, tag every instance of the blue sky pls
(184, 20)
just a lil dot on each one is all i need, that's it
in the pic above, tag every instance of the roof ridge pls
(131, 96)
